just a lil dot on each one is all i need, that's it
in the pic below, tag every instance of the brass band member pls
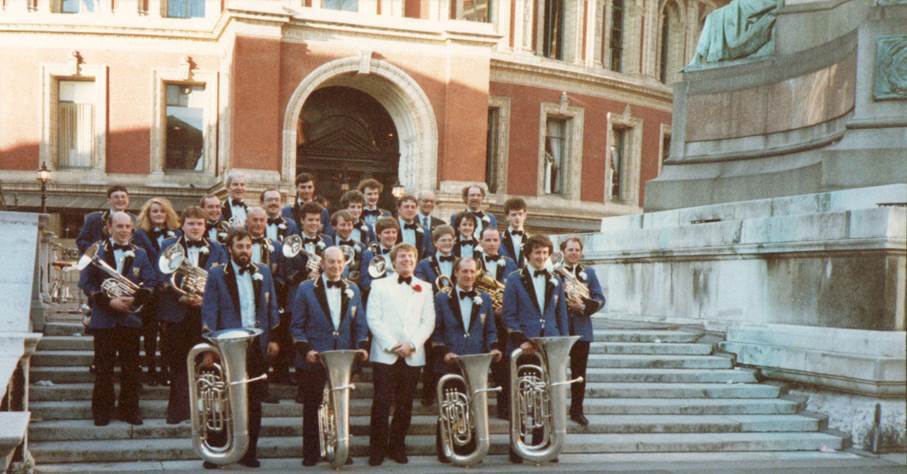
(401, 317)
(386, 230)
(354, 202)
(157, 222)
(181, 314)
(534, 304)
(114, 324)
(372, 189)
(466, 245)
(513, 237)
(342, 222)
(580, 322)
(427, 202)
(278, 226)
(234, 209)
(211, 205)
(411, 232)
(95, 224)
(464, 324)
(305, 194)
(474, 198)
(327, 315)
(240, 294)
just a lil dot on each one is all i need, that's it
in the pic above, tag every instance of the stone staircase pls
(651, 389)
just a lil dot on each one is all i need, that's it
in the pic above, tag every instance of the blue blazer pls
(423, 239)
(137, 269)
(505, 267)
(290, 227)
(93, 229)
(458, 250)
(168, 306)
(312, 327)
(366, 233)
(487, 220)
(508, 250)
(220, 309)
(149, 244)
(581, 323)
(360, 250)
(521, 312)
(292, 271)
(428, 269)
(365, 280)
(294, 212)
(452, 336)
(371, 219)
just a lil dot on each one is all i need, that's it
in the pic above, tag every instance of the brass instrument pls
(493, 287)
(192, 279)
(117, 286)
(574, 290)
(218, 396)
(464, 416)
(540, 398)
(377, 266)
(293, 246)
(444, 284)
(334, 412)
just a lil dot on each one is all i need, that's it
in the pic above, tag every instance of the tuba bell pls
(334, 412)
(192, 278)
(540, 399)
(218, 396)
(377, 266)
(293, 246)
(117, 285)
(463, 417)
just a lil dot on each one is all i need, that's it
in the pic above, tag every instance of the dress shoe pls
(555, 461)
(349, 461)
(515, 459)
(250, 462)
(399, 457)
(173, 421)
(101, 421)
(375, 460)
(427, 402)
(210, 465)
(299, 398)
(309, 462)
(581, 419)
(133, 419)
(92, 368)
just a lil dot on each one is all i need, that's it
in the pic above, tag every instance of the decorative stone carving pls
(740, 29)
(891, 67)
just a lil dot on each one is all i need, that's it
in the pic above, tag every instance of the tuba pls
(218, 396)
(334, 412)
(574, 290)
(117, 286)
(540, 399)
(464, 416)
(293, 246)
(192, 279)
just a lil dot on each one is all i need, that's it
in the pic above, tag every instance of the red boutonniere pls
(417, 288)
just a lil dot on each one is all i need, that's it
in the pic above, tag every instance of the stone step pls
(81, 409)
(671, 375)
(659, 361)
(657, 336)
(66, 343)
(647, 348)
(680, 390)
(73, 430)
(291, 446)
(63, 328)
(82, 391)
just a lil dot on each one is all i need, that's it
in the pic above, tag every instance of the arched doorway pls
(347, 136)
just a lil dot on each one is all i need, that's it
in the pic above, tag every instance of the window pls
(492, 166)
(185, 8)
(185, 127)
(665, 145)
(614, 175)
(75, 6)
(75, 123)
(555, 155)
(616, 45)
(344, 5)
(472, 10)
(553, 29)
(663, 56)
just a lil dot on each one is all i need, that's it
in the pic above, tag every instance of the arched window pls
(670, 41)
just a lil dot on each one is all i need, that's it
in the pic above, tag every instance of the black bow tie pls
(468, 242)
(403, 279)
(411, 226)
(245, 268)
(570, 269)
(157, 232)
(478, 214)
(122, 247)
(371, 212)
(540, 272)
(195, 243)
(467, 294)
(516, 232)
(275, 221)
(350, 242)
(492, 258)
(237, 203)
(449, 258)
(335, 284)
(306, 241)
(260, 240)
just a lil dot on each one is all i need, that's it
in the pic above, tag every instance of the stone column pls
(591, 16)
(127, 8)
(154, 8)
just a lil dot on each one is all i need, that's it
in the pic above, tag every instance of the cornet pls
(463, 417)
(192, 280)
(117, 286)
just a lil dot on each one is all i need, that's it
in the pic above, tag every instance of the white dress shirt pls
(271, 232)
(539, 283)
(408, 235)
(256, 252)
(310, 247)
(238, 211)
(466, 250)
(491, 266)
(118, 257)
(465, 308)
(517, 245)
(445, 267)
(425, 221)
(246, 296)
(193, 253)
(334, 303)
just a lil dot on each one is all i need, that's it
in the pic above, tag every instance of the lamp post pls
(43, 178)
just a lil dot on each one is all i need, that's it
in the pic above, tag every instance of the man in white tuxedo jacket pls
(401, 317)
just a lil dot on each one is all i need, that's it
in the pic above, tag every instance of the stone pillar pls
(592, 15)
(634, 40)
(128, 8)
(154, 8)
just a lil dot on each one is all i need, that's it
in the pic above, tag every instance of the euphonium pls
(117, 285)
(539, 399)
(493, 287)
(574, 290)
(218, 396)
(293, 246)
(464, 416)
(334, 412)
(192, 278)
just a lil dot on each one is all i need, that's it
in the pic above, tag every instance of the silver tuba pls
(117, 286)
(192, 278)
(539, 399)
(293, 246)
(218, 396)
(464, 416)
(334, 412)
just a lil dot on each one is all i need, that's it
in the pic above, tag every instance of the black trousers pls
(256, 364)
(179, 339)
(112, 346)
(313, 394)
(579, 357)
(150, 330)
(395, 383)
(468, 447)
(281, 364)
(429, 377)
(500, 375)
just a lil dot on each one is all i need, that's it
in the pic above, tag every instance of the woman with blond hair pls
(156, 222)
